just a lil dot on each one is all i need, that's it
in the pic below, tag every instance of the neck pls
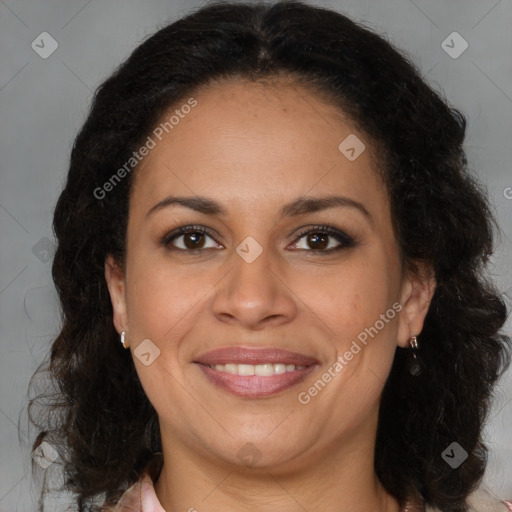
(329, 480)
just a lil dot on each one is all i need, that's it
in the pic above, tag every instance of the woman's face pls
(254, 162)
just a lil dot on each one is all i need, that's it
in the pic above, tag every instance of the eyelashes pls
(194, 236)
(344, 240)
(184, 231)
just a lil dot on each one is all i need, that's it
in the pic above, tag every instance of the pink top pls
(141, 496)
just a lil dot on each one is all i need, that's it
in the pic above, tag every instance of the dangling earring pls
(123, 339)
(415, 364)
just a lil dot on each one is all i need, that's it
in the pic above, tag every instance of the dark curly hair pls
(95, 411)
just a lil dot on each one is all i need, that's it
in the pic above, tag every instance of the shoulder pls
(141, 496)
(483, 500)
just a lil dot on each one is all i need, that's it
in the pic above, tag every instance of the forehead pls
(256, 142)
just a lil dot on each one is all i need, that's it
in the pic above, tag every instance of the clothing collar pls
(141, 496)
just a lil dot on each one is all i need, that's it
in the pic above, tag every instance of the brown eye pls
(319, 238)
(318, 241)
(189, 238)
(193, 240)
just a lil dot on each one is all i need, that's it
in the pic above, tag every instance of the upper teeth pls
(256, 369)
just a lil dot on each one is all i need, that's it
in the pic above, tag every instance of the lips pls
(254, 386)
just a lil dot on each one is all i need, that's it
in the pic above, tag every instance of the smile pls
(262, 370)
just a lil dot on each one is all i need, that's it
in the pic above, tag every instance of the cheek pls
(353, 296)
(358, 304)
(163, 305)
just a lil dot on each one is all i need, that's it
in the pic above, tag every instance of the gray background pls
(43, 102)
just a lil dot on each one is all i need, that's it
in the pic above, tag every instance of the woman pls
(271, 211)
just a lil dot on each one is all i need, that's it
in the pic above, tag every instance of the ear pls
(416, 294)
(114, 275)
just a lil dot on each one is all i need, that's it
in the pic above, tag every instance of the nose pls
(254, 294)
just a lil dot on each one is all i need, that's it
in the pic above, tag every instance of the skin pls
(254, 147)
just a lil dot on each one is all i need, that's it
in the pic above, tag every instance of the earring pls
(414, 363)
(123, 339)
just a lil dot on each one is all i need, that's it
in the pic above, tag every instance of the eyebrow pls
(297, 207)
